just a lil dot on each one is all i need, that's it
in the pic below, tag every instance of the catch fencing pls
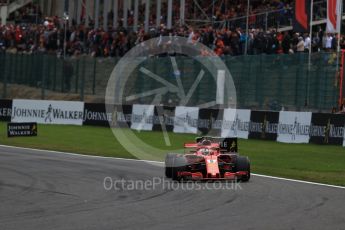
(263, 82)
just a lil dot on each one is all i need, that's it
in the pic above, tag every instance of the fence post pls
(341, 78)
(63, 75)
(258, 80)
(26, 69)
(94, 76)
(5, 77)
(47, 75)
(82, 79)
(14, 68)
(43, 78)
(54, 79)
(32, 69)
(77, 75)
(10, 56)
(21, 69)
(298, 75)
(307, 87)
(17, 68)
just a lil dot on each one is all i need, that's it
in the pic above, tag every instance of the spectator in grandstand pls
(48, 35)
(328, 41)
(316, 43)
(286, 42)
(279, 43)
(49, 38)
(263, 42)
(220, 47)
(342, 42)
(307, 42)
(300, 45)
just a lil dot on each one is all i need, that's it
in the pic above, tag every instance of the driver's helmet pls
(206, 142)
(205, 151)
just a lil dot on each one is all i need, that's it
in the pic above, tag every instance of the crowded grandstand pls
(31, 29)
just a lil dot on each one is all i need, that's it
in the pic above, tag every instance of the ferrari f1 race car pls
(208, 158)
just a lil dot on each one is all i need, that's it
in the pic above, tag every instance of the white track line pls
(298, 181)
(160, 162)
(80, 155)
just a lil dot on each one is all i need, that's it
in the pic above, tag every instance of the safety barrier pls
(283, 126)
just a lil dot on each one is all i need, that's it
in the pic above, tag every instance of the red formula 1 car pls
(208, 158)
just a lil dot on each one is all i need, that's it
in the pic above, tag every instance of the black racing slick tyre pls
(243, 164)
(169, 164)
(174, 163)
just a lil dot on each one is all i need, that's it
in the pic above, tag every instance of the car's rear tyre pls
(174, 163)
(168, 172)
(243, 164)
(169, 164)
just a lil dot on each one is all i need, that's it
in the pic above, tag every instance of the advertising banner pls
(186, 119)
(142, 117)
(21, 129)
(122, 116)
(301, 16)
(163, 119)
(48, 112)
(263, 125)
(5, 110)
(210, 122)
(294, 127)
(327, 128)
(236, 123)
(95, 114)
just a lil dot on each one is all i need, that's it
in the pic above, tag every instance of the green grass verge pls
(318, 163)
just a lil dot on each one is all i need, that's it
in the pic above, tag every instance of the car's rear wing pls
(198, 144)
(228, 144)
(190, 145)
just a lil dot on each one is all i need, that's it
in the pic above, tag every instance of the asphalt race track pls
(47, 190)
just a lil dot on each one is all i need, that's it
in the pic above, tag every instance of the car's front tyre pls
(243, 164)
